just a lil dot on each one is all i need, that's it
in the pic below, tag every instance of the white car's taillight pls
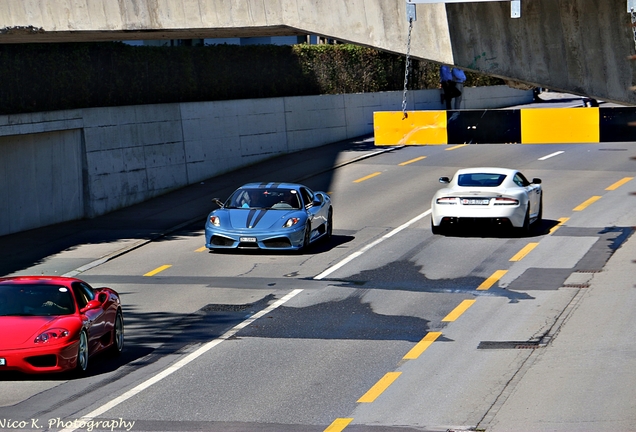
(506, 201)
(446, 200)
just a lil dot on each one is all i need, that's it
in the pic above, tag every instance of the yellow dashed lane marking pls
(338, 424)
(379, 387)
(421, 346)
(412, 160)
(557, 226)
(587, 203)
(456, 147)
(201, 249)
(157, 270)
(523, 252)
(456, 313)
(491, 280)
(619, 184)
(367, 177)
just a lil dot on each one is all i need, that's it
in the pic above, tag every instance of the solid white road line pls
(184, 361)
(551, 155)
(369, 246)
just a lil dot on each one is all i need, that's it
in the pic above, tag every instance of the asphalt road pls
(385, 328)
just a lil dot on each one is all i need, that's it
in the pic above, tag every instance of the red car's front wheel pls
(118, 334)
(82, 352)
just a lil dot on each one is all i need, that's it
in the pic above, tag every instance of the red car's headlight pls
(214, 220)
(52, 335)
(291, 222)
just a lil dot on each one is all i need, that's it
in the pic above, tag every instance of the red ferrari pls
(55, 324)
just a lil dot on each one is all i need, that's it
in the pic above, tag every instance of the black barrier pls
(484, 126)
(617, 124)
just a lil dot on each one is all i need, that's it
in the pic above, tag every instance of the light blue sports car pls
(280, 216)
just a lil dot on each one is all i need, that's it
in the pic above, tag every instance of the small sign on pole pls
(411, 14)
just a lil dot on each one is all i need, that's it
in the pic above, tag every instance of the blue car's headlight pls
(215, 220)
(291, 222)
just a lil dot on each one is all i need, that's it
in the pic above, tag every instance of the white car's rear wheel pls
(537, 222)
(525, 229)
(436, 229)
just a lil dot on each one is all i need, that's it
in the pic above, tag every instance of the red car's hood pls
(17, 331)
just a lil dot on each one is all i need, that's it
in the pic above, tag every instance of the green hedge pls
(47, 77)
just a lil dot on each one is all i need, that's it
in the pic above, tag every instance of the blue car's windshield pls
(262, 198)
(35, 300)
(480, 180)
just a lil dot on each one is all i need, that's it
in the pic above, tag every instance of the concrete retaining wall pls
(66, 165)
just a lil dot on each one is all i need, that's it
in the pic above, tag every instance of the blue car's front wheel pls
(306, 237)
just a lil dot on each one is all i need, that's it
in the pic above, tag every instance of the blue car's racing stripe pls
(254, 212)
(259, 216)
(250, 215)
(269, 185)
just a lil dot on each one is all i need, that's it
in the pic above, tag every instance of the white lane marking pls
(369, 246)
(184, 361)
(551, 155)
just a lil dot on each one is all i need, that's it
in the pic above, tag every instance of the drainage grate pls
(581, 285)
(508, 345)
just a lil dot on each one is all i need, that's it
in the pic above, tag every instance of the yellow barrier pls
(559, 125)
(419, 128)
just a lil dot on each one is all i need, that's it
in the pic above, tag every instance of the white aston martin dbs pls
(499, 196)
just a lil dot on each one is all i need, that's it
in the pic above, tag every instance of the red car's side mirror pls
(93, 304)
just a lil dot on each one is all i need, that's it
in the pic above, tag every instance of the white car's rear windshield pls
(480, 179)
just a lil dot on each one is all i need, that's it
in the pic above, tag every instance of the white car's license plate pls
(3, 362)
(475, 201)
(248, 239)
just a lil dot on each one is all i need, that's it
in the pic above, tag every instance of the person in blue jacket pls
(459, 78)
(447, 85)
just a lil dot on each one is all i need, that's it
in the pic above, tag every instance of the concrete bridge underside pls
(576, 46)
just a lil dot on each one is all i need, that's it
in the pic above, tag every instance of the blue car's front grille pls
(281, 242)
(248, 245)
(221, 241)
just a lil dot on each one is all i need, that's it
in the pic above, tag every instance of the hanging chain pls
(633, 57)
(634, 25)
(407, 64)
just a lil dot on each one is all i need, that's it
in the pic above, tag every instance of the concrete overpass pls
(575, 46)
